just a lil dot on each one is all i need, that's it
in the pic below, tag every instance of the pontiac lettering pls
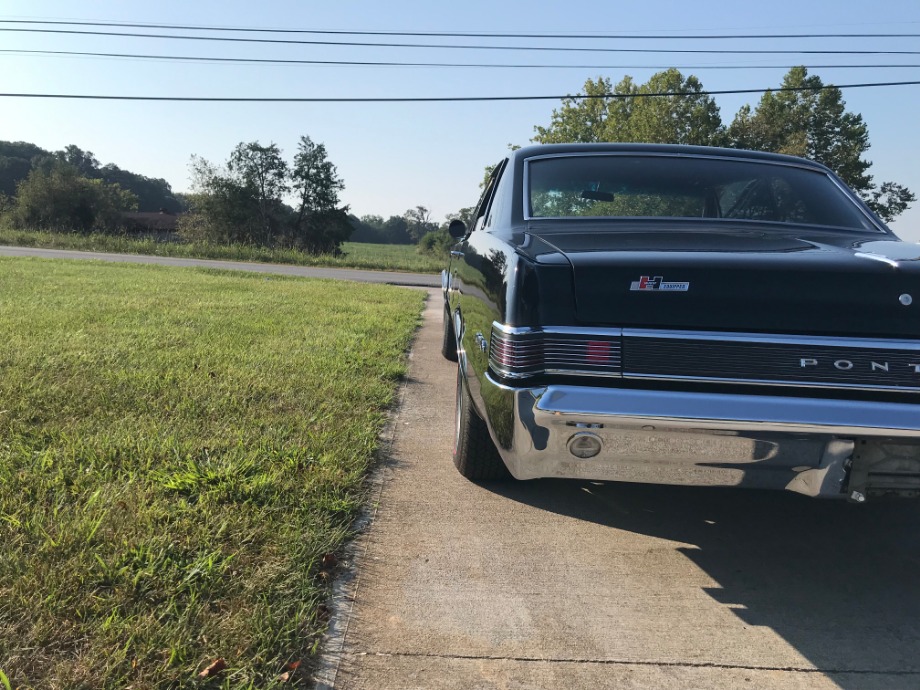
(847, 365)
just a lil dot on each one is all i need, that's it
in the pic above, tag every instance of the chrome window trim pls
(776, 339)
(634, 376)
(557, 330)
(876, 257)
(720, 336)
(515, 376)
(847, 192)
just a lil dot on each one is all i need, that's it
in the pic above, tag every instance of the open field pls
(181, 451)
(385, 257)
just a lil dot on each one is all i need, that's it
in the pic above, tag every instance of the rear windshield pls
(678, 187)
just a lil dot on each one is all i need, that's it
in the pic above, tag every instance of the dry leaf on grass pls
(213, 668)
(287, 675)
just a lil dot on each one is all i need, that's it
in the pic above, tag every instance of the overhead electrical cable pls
(448, 99)
(445, 46)
(374, 63)
(453, 34)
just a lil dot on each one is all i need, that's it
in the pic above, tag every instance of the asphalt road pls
(389, 277)
(576, 584)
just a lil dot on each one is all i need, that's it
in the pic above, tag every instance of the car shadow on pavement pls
(839, 582)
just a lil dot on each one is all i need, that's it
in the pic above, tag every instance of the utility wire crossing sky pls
(404, 122)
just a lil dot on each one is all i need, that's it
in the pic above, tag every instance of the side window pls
(486, 199)
(499, 198)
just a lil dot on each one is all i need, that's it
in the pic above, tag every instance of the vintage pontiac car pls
(683, 315)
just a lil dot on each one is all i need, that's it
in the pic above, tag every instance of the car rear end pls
(719, 350)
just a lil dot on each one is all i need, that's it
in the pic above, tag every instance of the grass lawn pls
(385, 257)
(181, 451)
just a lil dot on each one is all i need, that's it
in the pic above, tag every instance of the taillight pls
(517, 353)
(598, 352)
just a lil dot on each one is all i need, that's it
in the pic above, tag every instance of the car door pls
(471, 306)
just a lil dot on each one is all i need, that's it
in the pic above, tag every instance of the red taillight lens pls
(521, 353)
(598, 352)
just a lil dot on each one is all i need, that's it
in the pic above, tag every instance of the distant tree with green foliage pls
(221, 208)
(809, 119)
(436, 243)
(319, 225)
(376, 229)
(19, 158)
(261, 174)
(464, 214)
(84, 162)
(396, 230)
(419, 223)
(244, 200)
(624, 113)
(58, 197)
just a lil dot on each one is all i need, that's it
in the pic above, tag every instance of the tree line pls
(258, 197)
(255, 197)
(71, 190)
(805, 118)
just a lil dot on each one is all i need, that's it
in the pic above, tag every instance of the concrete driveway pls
(574, 584)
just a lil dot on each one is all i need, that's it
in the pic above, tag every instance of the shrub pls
(436, 243)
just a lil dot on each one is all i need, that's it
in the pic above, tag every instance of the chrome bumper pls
(800, 444)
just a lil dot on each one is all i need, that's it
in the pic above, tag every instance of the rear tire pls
(449, 341)
(475, 455)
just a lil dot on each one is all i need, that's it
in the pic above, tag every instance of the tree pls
(59, 198)
(243, 201)
(262, 172)
(418, 223)
(811, 121)
(18, 159)
(84, 162)
(319, 225)
(153, 194)
(628, 112)
(222, 208)
(396, 230)
(373, 220)
(464, 214)
(808, 119)
(363, 231)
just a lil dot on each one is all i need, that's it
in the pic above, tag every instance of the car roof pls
(666, 149)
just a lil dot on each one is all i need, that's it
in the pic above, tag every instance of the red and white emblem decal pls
(657, 284)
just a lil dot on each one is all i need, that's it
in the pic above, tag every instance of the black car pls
(683, 315)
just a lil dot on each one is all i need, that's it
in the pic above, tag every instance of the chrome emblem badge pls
(657, 284)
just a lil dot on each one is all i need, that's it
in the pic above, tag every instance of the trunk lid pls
(737, 280)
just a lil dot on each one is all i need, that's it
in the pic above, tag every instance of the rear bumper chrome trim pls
(799, 444)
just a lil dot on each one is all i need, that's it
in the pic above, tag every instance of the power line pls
(372, 63)
(443, 46)
(455, 34)
(448, 99)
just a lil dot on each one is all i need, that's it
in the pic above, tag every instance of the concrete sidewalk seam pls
(627, 662)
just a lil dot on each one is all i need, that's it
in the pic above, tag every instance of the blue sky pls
(396, 156)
